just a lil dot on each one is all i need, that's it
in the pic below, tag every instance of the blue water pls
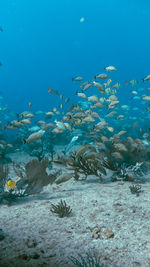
(44, 45)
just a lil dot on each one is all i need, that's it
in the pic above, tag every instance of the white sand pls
(32, 230)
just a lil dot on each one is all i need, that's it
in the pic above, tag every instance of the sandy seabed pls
(34, 236)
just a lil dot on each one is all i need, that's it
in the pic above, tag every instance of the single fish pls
(34, 136)
(82, 19)
(67, 99)
(78, 79)
(87, 86)
(110, 68)
(101, 76)
(30, 104)
(147, 78)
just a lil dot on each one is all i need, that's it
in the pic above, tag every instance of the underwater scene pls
(74, 133)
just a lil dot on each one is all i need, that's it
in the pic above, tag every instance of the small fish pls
(67, 99)
(101, 125)
(27, 115)
(82, 19)
(99, 86)
(49, 115)
(57, 130)
(61, 106)
(147, 78)
(60, 124)
(131, 82)
(34, 136)
(121, 133)
(53, 91)
(98, 105)
(111, 114)
(136, 97)
(113, 104)
(84, 83)
(30, 104)
(87, 86)
(110, 68)
(82, 95)
(112, 98)
(93, 98)
(101, 76)
(10, 184)
(61, 96)
(108, 90)
(54, 109)
(26, 121)
(110, 129)
(78, 79)
(146, 97)
(125, 107)
(120, 117)
(116, 85)
(134, 92)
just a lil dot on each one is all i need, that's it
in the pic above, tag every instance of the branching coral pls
(87, 161)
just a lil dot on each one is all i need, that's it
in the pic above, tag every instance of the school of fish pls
(98, 115)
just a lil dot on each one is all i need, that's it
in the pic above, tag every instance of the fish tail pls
(72, 79)
(142, 79)
(94, 77)
(24, 141)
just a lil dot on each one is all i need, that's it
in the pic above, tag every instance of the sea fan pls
(34, 176)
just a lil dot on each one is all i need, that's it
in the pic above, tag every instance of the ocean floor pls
(106, 218)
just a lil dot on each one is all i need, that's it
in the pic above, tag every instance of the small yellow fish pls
(11, 184)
